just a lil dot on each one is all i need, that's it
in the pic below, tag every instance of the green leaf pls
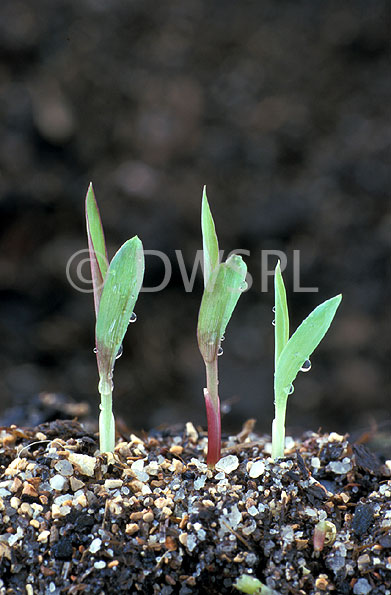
(281, 316)
(252, 586)
(209, 239)
(301, 345)
(248, 584)
(122, 286)
(218, 302)
(96, 245)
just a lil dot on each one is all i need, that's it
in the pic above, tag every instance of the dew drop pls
(273, 309)
(225, 408)
(243, 286)
(291, 389)
(222, 338)
(273, 322)
(220, 351)
(133, 318)
(119, 352)
(306, 367)
(95, 350)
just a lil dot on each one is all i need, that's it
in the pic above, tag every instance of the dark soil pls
(152, 519)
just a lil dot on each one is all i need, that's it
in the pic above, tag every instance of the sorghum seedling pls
(116, 286)
(292, 355)
(252, 586)
(223, 285)
(325, 533)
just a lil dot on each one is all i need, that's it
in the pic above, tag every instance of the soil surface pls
(151, 518)
(282, 109)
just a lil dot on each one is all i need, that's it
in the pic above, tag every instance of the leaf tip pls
(90, 191)
(205, 203)
(337, 299)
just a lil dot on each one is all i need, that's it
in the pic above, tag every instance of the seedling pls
(116, 286)
(252, 586)
(292, 355)
(223, 285)
(325, 533)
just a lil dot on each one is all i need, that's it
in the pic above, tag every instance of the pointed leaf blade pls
(302, 344)
(281, 315)
(122, 286)
(209, 239)
(96, 245)
(218, 302)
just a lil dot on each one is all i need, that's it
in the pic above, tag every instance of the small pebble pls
(191, 542)
(315, 463)
(289, 443)
(95, 545)
(199, 482)
(362, 519)
(257, 469)
(15, 502)
(137, 465)
(200, 466)
(362, 587)
(131, 528)
(57, 482)
(152, 468)
(148, 517)
(183, 538)
(112, 484)
(76, 484)
(227, 464)
(234, 517)
(15, 537)
(43, 537)
(83, 463)
(100, 564)
(247, 530)
(340, 467)
(64, 467)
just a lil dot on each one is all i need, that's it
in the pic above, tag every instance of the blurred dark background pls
(281, 108)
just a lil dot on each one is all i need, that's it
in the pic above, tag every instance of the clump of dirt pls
(152, 518)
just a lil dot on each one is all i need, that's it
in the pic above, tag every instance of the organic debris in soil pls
(152, 518)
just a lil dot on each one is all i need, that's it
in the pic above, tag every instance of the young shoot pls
(116, 286)
(292, 355)
(223, 285)
(252, 586)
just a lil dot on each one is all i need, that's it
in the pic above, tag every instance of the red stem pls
(214, 431)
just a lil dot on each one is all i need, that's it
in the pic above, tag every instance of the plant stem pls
(106, 422)
(212, 403)
(278, 432)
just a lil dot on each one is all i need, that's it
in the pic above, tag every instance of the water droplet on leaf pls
(133, 318)
(222, 338)
(243, 286)
(306, 367)
(273, 322)
(95, 350)
(273, 309)
(220, 351)
(291, 389)
(119, 352)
